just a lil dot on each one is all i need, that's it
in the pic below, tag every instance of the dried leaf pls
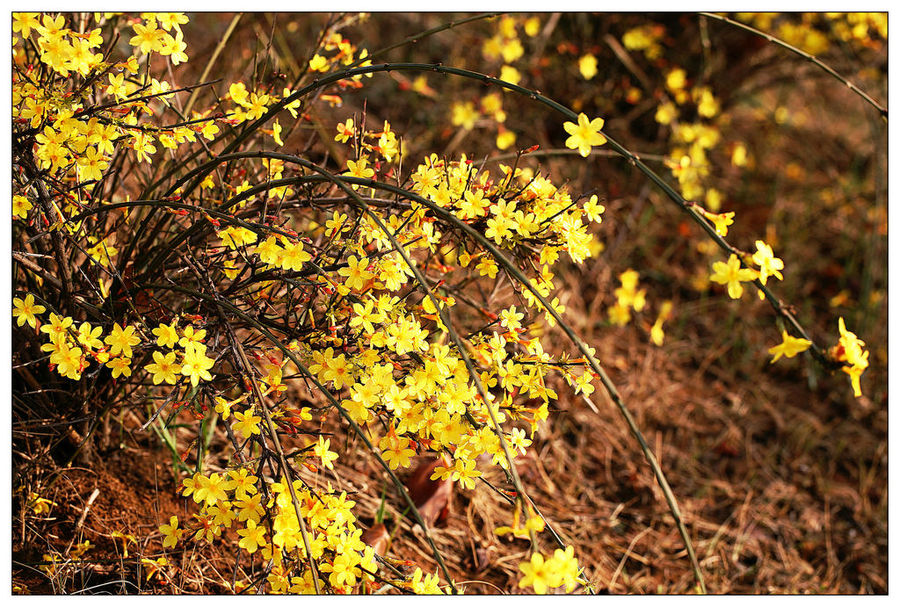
(377, 537)
(431, 497)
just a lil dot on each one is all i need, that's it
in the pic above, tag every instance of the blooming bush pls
(178, 257)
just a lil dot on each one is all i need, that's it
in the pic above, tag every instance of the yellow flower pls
(235, 236)
(120, 366)
(38, 504)
(388, 143)
(210, 490)
(505, 139)
(164, 368)
(565, 568)
(147, 37)
(587, 65)
(174, 48)
(142, 143)
(318, 63)
(25, 310)
(594, 210)
(92, 164)
(356, 272)
(396, 450)
(359, 169)
(739, 155)
(80, 548)
(769, 265)
(196, 364)
(252, 537)
(789, 347)
(707, 105)
(665, 113)
(464, 471)
(656, 331)
(345, 131)
(510, 319)
(511, 50)
(293, 257)
(676, 80)
(154, 567)
(732, 275)
(241, 482)
(166, 335)
(585, 134)
(169, 20)
(51, 29)
(510, 74)
(171, 533)
(247, 423)
(473, 204)
(343, 570)
(721, 221)
(223, 407)
(464, 115)
(191, 337)
(57, 328)
(21, 206)
(322, 452)
(88, 336)
(628, 295)
(536, 574)
(850, 349)
(120, 341)
(714, 199)
(24, 23)
(487, 267)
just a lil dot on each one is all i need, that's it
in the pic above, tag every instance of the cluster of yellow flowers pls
(811, 33)
(627, 297)
(732, 274)
(505, 48)
(690, 142)
(233, 501)
(518, 208)
(76, 141)
(72, 348)
(466, 114)
(195, 364)
(377, 346)
(688, 160)
(645, 38)
(559, 571)
(379, 349)
(56, 563)
(336, 51)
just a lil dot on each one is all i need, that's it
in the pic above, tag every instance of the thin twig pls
(811, 58)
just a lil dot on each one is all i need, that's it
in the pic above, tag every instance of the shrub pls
(347, 298)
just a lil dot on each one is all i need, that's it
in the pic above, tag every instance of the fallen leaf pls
(431, 497)
(377, 537)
